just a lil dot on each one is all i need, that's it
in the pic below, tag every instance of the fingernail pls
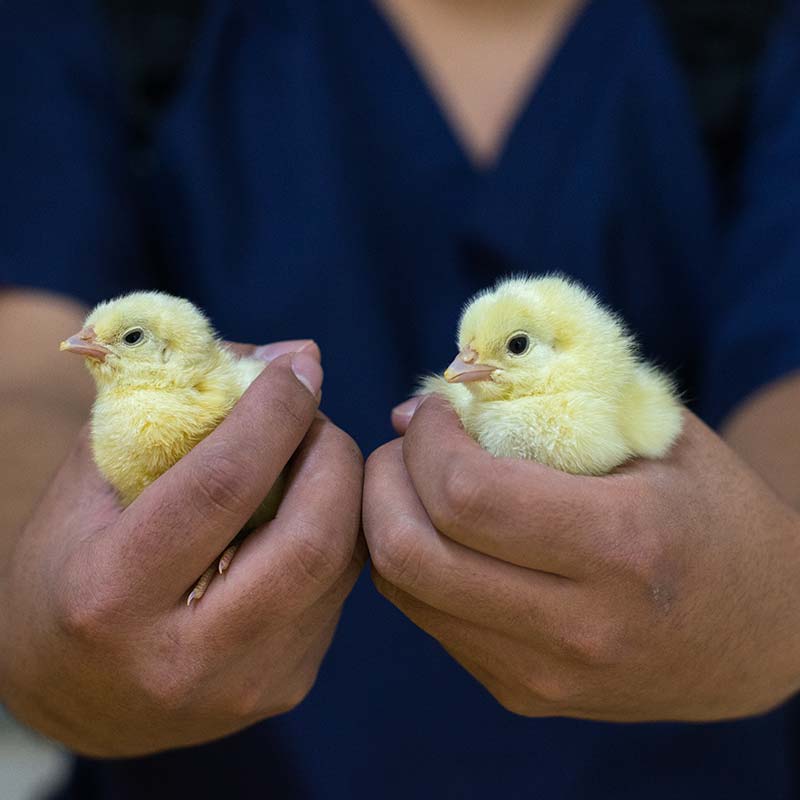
(190, 598)
(308, 371)
(406, 410)
(269, 352)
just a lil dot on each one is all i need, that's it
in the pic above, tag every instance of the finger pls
(290, 562)
(232, 618)
(450, 631)
(300, 644)
(512, 509)
(409, 553)
(481, 651)
(283, 652)
(185, 519)
(402, 414)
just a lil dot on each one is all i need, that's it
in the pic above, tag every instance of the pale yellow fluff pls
(579, 398)
(156, 399)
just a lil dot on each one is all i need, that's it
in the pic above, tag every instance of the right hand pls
(99, 649)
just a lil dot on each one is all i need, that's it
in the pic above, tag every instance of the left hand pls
(667, 590)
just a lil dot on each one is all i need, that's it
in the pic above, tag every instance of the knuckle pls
(169, 690)
(340, 557)
(554, 691)
(648, 569)
(388, 590)
(397, 557)
(461, 497)
(650, 560)
(320, 558)
(88, 612)
(377, 458)
(642, 555)
(215, 486)
(248, 701)
(79, 621)
(351, 456)
(600, 644)
(349, 463)
(300, 689)
(296, 691)
(371, 464)
(164, 676)
(518, 703)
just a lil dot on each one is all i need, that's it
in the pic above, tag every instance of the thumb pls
(403, 413)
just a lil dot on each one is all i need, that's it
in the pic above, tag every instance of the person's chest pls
(310, 187)
(313, 187)
(480, 61)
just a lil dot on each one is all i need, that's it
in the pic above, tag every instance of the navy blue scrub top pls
(305, 184)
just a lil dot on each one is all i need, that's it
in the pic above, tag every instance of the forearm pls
(765, 432)
(44, 400)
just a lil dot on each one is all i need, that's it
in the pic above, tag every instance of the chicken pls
(164, 382)
(545, 372)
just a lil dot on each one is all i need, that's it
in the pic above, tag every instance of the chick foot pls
(205, 579)
(226, 558)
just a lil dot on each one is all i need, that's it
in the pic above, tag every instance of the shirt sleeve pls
(70, 218)
(755, 327)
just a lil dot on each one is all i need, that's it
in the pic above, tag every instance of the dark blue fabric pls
(70, 217)
(749, 347)
(307, 185)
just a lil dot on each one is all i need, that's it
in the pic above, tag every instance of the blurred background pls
(718, 42)
(30, 766)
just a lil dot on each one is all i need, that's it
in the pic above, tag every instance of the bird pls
(546, 372)
(164, 381)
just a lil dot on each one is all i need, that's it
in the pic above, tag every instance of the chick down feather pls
(164, 382)
(546, 373)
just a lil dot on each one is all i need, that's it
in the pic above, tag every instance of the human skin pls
(481, 60)
(99, 649)
(668, 590)
(675, 584)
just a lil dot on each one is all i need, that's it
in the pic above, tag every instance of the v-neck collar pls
(569, 108)
(399, 120)
(564, 51)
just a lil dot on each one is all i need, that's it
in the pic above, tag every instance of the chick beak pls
(85, 344)
(465, 368)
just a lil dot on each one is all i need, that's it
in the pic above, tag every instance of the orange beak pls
(85, 344)
(465, 368)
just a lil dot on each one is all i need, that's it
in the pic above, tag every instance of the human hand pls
(668, 590)
(99, 648)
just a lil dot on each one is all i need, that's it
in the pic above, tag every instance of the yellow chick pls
(164, 382)
(546, 373)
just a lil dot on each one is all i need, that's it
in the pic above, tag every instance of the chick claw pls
(226, 558)
(224, 562)
(201, 586)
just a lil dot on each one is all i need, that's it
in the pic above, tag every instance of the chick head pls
(145, 339)
(528, 336)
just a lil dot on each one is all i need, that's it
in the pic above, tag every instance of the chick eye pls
(518, 344)
(133, 336)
